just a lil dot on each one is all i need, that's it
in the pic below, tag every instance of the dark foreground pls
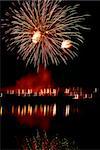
(82, 124)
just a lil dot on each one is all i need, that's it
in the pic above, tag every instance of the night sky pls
(82, 71)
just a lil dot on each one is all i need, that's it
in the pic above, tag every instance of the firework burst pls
(42, 142)
(43, 31)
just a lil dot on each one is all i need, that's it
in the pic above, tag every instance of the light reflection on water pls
(31, 110)
(29, 116)
(34, 114)
(0, 110)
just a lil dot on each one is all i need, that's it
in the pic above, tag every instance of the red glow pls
(38, 121)
(33, 81)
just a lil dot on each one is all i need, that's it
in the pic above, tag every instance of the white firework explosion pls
(43, 31)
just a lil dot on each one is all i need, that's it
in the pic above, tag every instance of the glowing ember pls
(36, 37)
(66, 44)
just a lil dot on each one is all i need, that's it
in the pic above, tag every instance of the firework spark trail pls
(40, 141)
(43, 31)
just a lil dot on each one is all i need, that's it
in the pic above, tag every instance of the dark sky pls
(82, 71)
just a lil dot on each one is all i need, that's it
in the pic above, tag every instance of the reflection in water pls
(67, 110)
(41, 141)
(48, 110)
(54, 110)
(44, 110)
(18, 109)
(37, 115)
(29, 110)
(0, 110)
(13, 109)
(24, 109)
(40, 110)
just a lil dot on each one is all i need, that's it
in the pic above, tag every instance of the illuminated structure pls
(43, 109)
(75, 92)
